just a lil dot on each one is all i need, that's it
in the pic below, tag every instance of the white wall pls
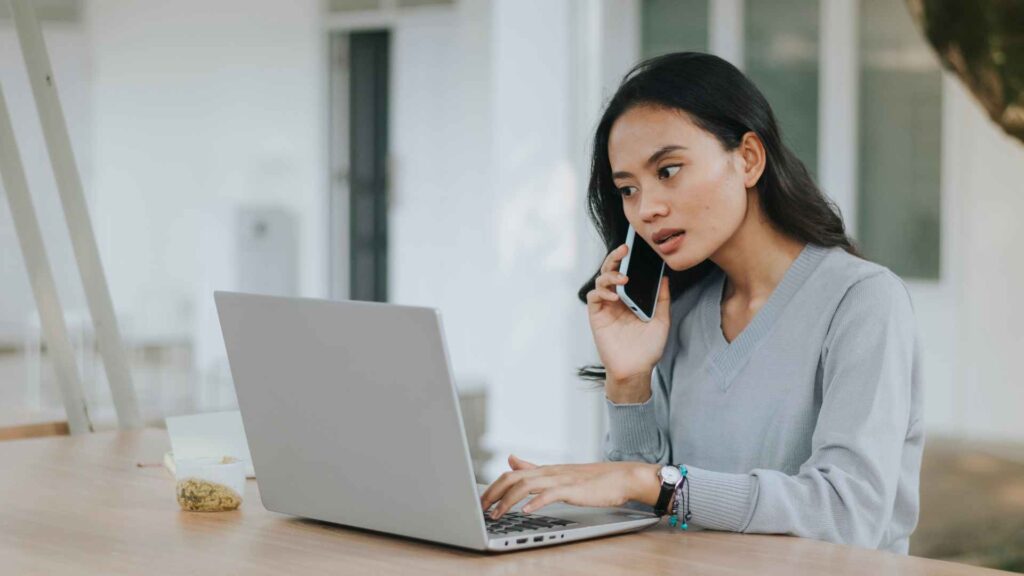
(988, 396)
(969, 321)
(201, 107)
(441, 242)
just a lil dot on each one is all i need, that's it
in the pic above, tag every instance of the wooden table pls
(81, 505)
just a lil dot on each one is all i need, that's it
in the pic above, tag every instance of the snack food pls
(198, 495)
(210, 484)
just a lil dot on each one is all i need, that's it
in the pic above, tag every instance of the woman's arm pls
(629, 349)
(637, 429)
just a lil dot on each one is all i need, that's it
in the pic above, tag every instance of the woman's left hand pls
(599, 484)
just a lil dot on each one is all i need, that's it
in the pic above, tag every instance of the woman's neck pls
(757, 256)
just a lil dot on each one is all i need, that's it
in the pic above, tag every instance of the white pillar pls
(76, 211)
(535, 204)
(40, 275)
(554, 65)
(725, 30)
(606, 44)
(584, 409)
(837, 110)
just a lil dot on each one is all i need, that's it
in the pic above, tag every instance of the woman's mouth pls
(668, 241)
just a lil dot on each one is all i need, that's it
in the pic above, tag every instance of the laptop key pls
(534, 525)
(515, 522)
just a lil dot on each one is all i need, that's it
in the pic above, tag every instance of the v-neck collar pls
(728, 358)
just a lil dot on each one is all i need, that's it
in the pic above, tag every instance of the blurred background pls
(435, 152)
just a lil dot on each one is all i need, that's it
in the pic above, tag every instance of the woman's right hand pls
(629, 347)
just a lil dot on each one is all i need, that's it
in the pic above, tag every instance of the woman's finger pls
(664, 301)
(609, 280)
(595, 301)
(552, 495)
(522, 489)
(597, 298)
(517, 463)
(607, 295)
(497, 489)
(611, 261)
(605, 286)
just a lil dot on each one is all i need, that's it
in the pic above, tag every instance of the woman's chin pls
(683, 261)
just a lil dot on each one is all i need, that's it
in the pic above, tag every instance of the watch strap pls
(667, 489)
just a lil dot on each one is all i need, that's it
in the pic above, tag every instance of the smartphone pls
(644, 268)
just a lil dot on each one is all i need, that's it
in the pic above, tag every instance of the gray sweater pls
(808, 423)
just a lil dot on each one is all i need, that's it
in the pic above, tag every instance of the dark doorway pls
(368, 149)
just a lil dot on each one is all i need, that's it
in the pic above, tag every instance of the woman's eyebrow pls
(654, 158)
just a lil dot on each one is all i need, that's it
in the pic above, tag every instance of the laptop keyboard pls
(513, 522)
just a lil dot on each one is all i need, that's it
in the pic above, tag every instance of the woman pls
(780, 369)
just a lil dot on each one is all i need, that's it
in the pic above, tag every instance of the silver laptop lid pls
(352, 416)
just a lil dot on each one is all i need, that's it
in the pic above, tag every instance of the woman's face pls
(682, 192)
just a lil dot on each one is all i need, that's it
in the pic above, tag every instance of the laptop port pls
(522, 541)
(538, 538)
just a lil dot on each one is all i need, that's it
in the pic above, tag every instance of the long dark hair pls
(722, 101)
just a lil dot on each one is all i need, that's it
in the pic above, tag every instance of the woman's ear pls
(752, 151)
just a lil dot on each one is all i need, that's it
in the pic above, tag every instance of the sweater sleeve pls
(638, 432)
(846, 489)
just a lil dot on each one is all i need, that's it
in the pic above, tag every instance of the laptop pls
(352, 418)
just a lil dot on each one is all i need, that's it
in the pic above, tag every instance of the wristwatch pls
(670, 478)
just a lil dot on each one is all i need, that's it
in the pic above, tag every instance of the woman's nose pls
(652, 205)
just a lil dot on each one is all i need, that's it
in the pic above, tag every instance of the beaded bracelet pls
(674, 519)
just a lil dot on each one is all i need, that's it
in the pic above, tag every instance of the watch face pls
(670, 475)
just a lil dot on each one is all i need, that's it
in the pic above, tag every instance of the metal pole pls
(51, 315)
(76, 212)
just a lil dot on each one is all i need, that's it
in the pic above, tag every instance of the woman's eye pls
(668, 171)
(627, 190)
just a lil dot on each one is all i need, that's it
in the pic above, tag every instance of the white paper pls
(214, 434)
